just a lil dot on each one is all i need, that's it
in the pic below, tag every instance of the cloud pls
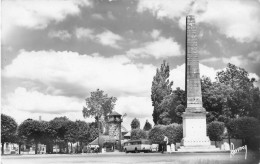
(109, 38)
(254, 56)
(160, 48)
(135, 107)
(110, 15)
(82, 33)
(155, 34)
(236, 60)
(164, 9)
(106, 38)
(240, 23)
(69, 73)
(97, 16)
(38, 14)
(177, 75)
(34, 102)
(61, 34)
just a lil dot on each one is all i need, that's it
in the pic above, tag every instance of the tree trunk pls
(77, 148)
(3, 148)
(20, 148)
(98, 133)
(229, 140)
(59, 147)
(216, 143)
(70, 147)
(36, 147)
(67, 147)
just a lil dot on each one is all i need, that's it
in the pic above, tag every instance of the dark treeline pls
(59, 131)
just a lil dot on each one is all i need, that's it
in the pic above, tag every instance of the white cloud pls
(61, 34)
(236, 60)
(34, 102)
(69, 73)
(37, 14)
(106, 38)
(177, 75)
(155, 33)
(172, 9)
(241, 23)
(84, 33)
(160, 48)
(135, 107)
(109, 38)
(211, 59)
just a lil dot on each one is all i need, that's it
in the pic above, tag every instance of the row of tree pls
(59, 131)
(245, 128)
(231, 95)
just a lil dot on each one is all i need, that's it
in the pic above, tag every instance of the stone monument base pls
(195, 137)
(196, 149)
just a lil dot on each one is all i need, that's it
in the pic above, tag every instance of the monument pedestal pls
(195, 137)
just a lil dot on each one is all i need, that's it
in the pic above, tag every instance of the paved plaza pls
(118, 158)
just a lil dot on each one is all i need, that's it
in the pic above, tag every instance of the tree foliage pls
(138, 134)
(98, 104)
(156, 134)
(8, 129)
(215, 130)
(161, 87)
(243, 127)
(147, 126)
(232, 95)
(33, 130)
(241, 101)
(172, 107)
(135, 124)
(172, 131)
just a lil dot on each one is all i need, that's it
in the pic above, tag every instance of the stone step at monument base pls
(195, 149)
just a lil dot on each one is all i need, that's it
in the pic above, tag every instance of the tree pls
(147, 126)
(98, 105)
(161, 87)
(172, 107)
(135, 124)
(156, 134)
(8, 129)
(243, 128)
(137, 134)
(32, 130)
(215, 98)
(215, 131)
(83, 132)
(71, 134)
(59, 126)
(178, 133)
(179, 111)
(238, 79)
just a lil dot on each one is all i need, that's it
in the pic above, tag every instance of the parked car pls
(136, 146)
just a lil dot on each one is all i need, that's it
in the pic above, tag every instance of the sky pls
(55, 52)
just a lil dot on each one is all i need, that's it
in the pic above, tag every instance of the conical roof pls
(114, 113)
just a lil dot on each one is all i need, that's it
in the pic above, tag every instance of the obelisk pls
(194, 117)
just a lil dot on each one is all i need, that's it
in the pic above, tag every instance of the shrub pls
(172, 131)
(138, 134)
(178, 132)
(243, 128)
(215, 130)
(156, 134)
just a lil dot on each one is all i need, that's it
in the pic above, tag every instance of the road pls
(139, 158)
